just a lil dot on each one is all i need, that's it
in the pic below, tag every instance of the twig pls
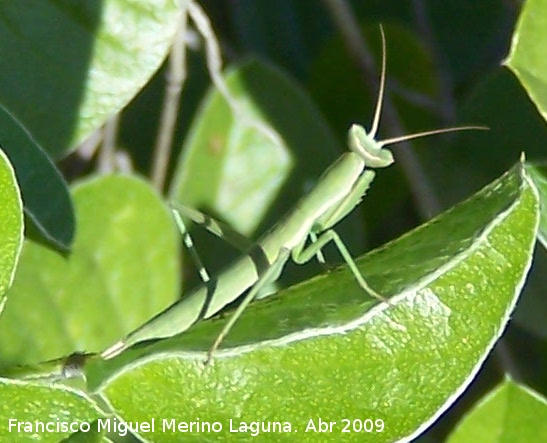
(107, 152)
(214, 66)
(176, 76)
(89, 146)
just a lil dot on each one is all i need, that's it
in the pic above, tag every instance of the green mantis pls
(338, 191)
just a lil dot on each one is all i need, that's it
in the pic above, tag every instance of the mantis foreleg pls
(189, 244)
(304, 255)
(214, 226)
(320, 256)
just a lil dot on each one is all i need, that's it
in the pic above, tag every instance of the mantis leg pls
(305, 255)
(189, 244)
(214, 226)
(270, 275)
(337, 213)
(319, 253)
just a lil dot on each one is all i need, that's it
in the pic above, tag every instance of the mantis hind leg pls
(270, 275)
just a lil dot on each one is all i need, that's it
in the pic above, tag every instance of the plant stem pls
(175, 78)
(107, 152)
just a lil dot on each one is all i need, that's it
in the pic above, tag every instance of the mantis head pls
(370, 150)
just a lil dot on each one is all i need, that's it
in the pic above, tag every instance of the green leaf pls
(324, 349)
(533, 306)
(26, 403)
(499, 99)
(123, 268)
(77, 64)
(11, 226)
(512, 413)
(45, 193)
(539, 175)
(231, 169)
(527, 58)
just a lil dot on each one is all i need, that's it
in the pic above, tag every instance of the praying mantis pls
(338, 191)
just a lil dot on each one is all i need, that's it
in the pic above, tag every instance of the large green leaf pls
(533, 307)
(324, 349)
(68, 66)
(499, 99)
(24, 405)
(511, 413)
(45, 193)
(123, 268)
(527, 56)
(95, 435)
(11, 226)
